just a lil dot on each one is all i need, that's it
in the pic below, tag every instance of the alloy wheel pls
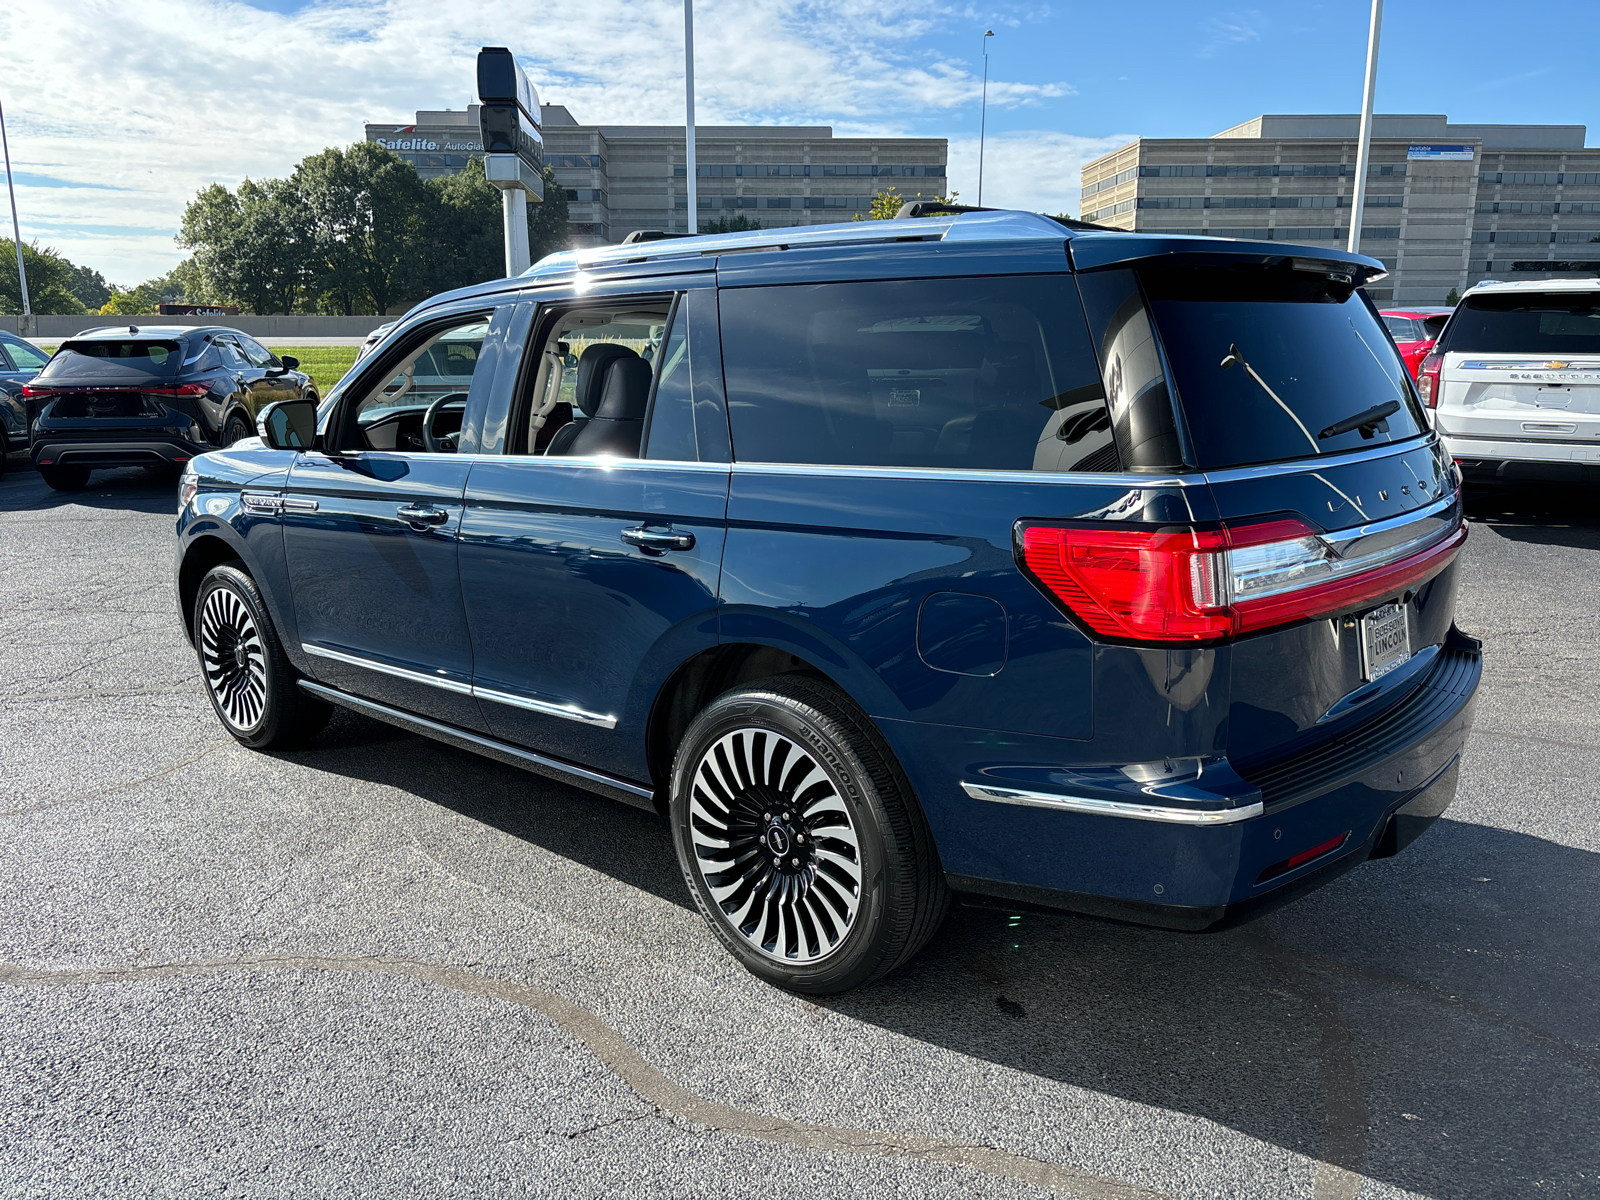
(775, 845)
(233, 658)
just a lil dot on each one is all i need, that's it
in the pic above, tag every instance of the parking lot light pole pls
(688, 128)
(1358, 201)
(16, 230)
(983, 111)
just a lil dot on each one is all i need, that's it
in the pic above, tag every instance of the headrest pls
(626, 391)
(591, 373)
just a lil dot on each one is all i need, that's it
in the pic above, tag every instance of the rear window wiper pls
(1369, 421)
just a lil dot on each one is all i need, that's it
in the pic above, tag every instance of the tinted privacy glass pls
(1267, 359)
(112, 362)
(980, 374)
(672, 433)
(1527, 323)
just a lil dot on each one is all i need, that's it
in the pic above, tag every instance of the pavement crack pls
(41, 805)
(667, 1098)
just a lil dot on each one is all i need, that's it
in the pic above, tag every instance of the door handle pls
(657, 541)
(422, 517)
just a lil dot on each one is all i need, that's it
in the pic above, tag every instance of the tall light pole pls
(688, 128)
(983, 111)
(1358, 201)
(16, 230)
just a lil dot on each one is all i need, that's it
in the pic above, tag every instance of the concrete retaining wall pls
(280, 329)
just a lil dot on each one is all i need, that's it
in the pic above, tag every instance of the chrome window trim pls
(849, 470)
(1113, 808)
(449, 685)
(605, 462)
(569, 711)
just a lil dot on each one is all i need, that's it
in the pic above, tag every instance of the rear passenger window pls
(975, 374)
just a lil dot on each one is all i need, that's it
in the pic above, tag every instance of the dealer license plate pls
(1385, 640)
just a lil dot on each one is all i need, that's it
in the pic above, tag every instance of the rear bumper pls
(1365, 794)
(1485, 459)
(124, 450)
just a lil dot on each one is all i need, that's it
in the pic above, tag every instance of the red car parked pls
(1415, 330)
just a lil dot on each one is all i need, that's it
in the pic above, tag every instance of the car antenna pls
(133, 329)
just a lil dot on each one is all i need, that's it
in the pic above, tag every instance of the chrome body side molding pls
(528, 760)
(1170, 813)
(549, 708)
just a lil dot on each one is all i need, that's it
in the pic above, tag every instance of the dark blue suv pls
(977, 555)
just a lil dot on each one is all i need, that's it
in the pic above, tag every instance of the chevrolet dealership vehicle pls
(1515, 382)
(152, 396)
(977, 555)
(20, 361)
(1414, 331)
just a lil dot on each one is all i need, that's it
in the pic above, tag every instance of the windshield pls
(112, 363)
(1526, 323)
(1268, 359)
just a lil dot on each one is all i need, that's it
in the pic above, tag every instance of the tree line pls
(352, 230)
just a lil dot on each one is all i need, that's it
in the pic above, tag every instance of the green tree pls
(886, 204)
(50, 280)
(547, 220)
(250, 247)
(738, 223)
(468, 236)
(1453, 298)
(90, 287)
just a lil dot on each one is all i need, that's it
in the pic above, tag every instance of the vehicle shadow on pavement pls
(131, 489)
(1548, 515)
(1429, 1021)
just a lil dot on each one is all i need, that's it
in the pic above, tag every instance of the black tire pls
(251, 683)
(826, 779)
(65, 479)
(235, 429)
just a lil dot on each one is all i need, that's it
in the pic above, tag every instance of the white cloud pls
(1231, 29)
(1039, 171)
(160, 98)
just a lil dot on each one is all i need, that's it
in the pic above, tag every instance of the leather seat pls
(616, 425)
(592, 364)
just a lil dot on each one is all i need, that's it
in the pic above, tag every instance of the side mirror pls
(289, 361)
(288, 425)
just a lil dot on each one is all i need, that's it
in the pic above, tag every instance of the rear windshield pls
(1268, 361)
(112, 362)
(1403, 329)
(1526, 323)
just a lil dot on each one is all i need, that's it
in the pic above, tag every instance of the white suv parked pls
(1513, 384)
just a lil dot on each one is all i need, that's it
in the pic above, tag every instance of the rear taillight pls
(28, 389)
(183, 389)
(1186, 586)
(1428, 378)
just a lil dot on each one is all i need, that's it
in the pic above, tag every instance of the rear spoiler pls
(1092, 250)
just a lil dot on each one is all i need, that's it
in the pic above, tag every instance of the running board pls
(551, 768)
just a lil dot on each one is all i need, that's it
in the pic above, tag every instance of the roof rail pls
(650, 235)
(928, 208)
(1074, 223)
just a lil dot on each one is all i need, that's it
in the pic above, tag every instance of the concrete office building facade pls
(1447, 204)
(620, 178)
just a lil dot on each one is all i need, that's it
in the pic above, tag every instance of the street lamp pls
(16, 230)
(1358, 202)
(983, 111)
(688, 129)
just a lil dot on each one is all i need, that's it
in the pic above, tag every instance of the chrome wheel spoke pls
(775, 845)
(233, 660)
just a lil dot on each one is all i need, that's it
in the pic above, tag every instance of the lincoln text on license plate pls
(1385, 640)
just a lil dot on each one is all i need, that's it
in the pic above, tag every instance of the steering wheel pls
(447, 443)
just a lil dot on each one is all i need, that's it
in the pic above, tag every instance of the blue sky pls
(190, 92)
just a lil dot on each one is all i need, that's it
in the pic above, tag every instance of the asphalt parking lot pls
(383, 967)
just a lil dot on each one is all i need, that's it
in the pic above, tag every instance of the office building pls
(1446, 204)
(619, 178)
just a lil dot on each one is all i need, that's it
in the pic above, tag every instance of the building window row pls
(1306, 233)
(587, 194)
(1265, 201)
(1534, 236)
(1542, 265)
(1267, 170)
(1537, 206)
(705, 202)
(574, 160)
(589, 229)
(1111, 210)
(437, 162)
(1119, 177)
(1539, 177)
(783, 170)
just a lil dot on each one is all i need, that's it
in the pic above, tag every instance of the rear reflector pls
(1178, 585)
(1305, 856)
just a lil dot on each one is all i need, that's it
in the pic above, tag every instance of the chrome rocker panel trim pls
(528, 760)
(1113, 808)
(550, 709)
